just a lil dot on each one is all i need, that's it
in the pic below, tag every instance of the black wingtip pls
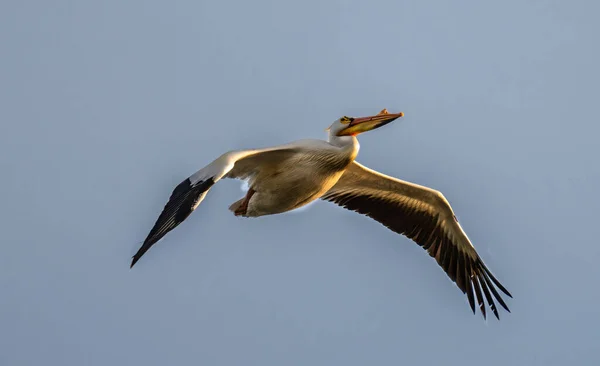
(497, 283)
(182, 202)
(143, 249)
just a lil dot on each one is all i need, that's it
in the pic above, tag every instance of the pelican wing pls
(188, 195)
(425, 216)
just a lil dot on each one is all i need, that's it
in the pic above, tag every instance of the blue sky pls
(106, 106)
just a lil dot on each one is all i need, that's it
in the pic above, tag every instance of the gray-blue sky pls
(105, 106)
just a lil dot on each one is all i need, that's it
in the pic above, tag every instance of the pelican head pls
(352, 126)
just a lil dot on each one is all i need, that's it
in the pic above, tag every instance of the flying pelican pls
(286, 177)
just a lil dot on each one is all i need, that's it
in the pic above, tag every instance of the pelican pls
(286, 177)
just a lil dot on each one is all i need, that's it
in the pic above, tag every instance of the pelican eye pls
(345, 120)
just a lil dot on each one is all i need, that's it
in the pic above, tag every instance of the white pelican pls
(285, 177)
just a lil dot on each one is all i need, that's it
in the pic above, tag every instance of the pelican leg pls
(243, 207)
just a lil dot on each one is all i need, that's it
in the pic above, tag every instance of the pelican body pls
(285, 177)
(310, 169)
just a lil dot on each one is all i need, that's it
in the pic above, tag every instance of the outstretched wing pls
(188, 195)
(425, 216)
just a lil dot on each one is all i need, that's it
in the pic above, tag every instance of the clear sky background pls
(106, 105)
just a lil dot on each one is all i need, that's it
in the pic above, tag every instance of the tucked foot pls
(243, 207)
